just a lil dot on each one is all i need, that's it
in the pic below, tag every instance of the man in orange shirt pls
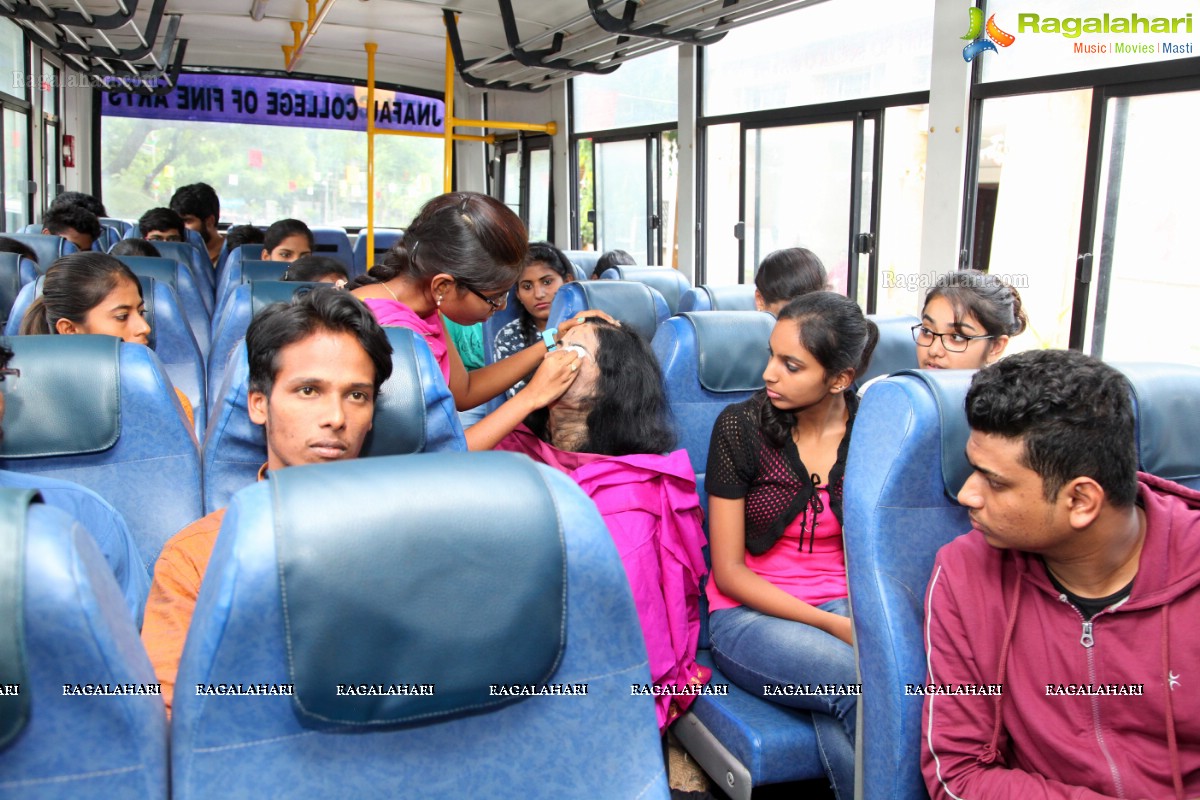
(316, 366)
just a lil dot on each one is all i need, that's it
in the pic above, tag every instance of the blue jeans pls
(755, 650)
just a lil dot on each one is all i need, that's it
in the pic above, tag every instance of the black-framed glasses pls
(497, 303)
(6, 371)
(953, 342)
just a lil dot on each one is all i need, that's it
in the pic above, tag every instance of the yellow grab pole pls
(448, 117)
(537, 127)
(371, 47)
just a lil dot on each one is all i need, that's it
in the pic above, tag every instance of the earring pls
(439, 300)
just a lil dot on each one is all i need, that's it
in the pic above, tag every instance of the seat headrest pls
(450, 577)
(1168, 428)
(634, 304)
(264, 293)
(255, 270)
(14, 709)
(402, 424)
(731, 348)
(949, 389)
(161, 269)
(731, 298)
(67, 399)
(149, 289)
(895, 350)
(179, 251)
(670, 283)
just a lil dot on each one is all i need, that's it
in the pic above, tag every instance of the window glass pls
(539, 195)
(721, 178)
(512, 181)
(13, 79)
(643, 91)
(621, 213)
(905, 139)
(587, 198)
(1075, 35)
(16, 173)
(669, 147)
(1146, 222)
(1031, 173)
(261, 175)
(819, 54)
(49, 87)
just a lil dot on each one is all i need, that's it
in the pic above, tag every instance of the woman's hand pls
(556, 374)
(584, 316)
(842, 628)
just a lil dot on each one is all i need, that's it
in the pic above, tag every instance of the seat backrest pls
(385, 239)
(498, 319)
(415, 413)
(670, 283)
(240, 307)
(739, 297)
(634, 304)
(542, 600)
(584, 261)
(101, 413)
(231, 270)
(49, 248)
(66, 625)
(334, 243)
(121, 226)
(256, 270)
(15, 272)
(197, 260)
(180, 278)
(905, 467)
(709, 360)
(895, 350)
(1168, 428)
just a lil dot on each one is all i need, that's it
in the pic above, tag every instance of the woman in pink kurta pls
(459, 258)
(609, 432)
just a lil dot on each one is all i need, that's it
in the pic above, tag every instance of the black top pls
(775, 483)
(1090, 606)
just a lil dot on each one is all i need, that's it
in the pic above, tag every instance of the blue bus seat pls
(240, 307)
(584, 262)
(334, 243)
(385, 239)
(231, 273)
(121, 226)
(101, 413)
(171, 338)
(1168, 428)
(670, 283)
(499, 318)
(738, 297)
(634, 304)
(543, 601)
(72, 627)
(248, 270)
(710, 360)
(201, 267)
(15, 273)
(895, 350)
(49, 248)
(905, 467)
(197, 306)
(414, 414)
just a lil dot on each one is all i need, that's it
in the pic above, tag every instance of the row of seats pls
(905, 466)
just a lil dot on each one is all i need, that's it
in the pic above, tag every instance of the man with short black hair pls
(74, 223)
(162, 225)
(200, 208)
(1077, 592)
(316, 366)
(82, 199)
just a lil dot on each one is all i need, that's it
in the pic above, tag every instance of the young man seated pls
(200, 208)
(316, 366)
(162, 225)
(74, 223)
(1075, 593)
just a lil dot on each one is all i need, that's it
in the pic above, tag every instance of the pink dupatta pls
(394, 314)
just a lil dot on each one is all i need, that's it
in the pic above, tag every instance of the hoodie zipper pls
(1088, 642)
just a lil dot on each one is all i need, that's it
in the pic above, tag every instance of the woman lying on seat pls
(92, 293)
(779, 615)
(611, 433)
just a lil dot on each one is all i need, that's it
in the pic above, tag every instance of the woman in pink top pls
(779, 620)
(611, 433)
(459, 258)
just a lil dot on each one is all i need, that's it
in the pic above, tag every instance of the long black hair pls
(629, 414)
(552, 257)
(840, 337)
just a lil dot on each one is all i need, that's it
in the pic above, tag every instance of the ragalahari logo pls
(992, 35)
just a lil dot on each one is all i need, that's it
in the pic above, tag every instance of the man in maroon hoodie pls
(1077, 592)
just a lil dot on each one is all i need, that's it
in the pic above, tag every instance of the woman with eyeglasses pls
(968, 318)
(459, 258)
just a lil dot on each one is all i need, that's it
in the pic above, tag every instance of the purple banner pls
(279, 101)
